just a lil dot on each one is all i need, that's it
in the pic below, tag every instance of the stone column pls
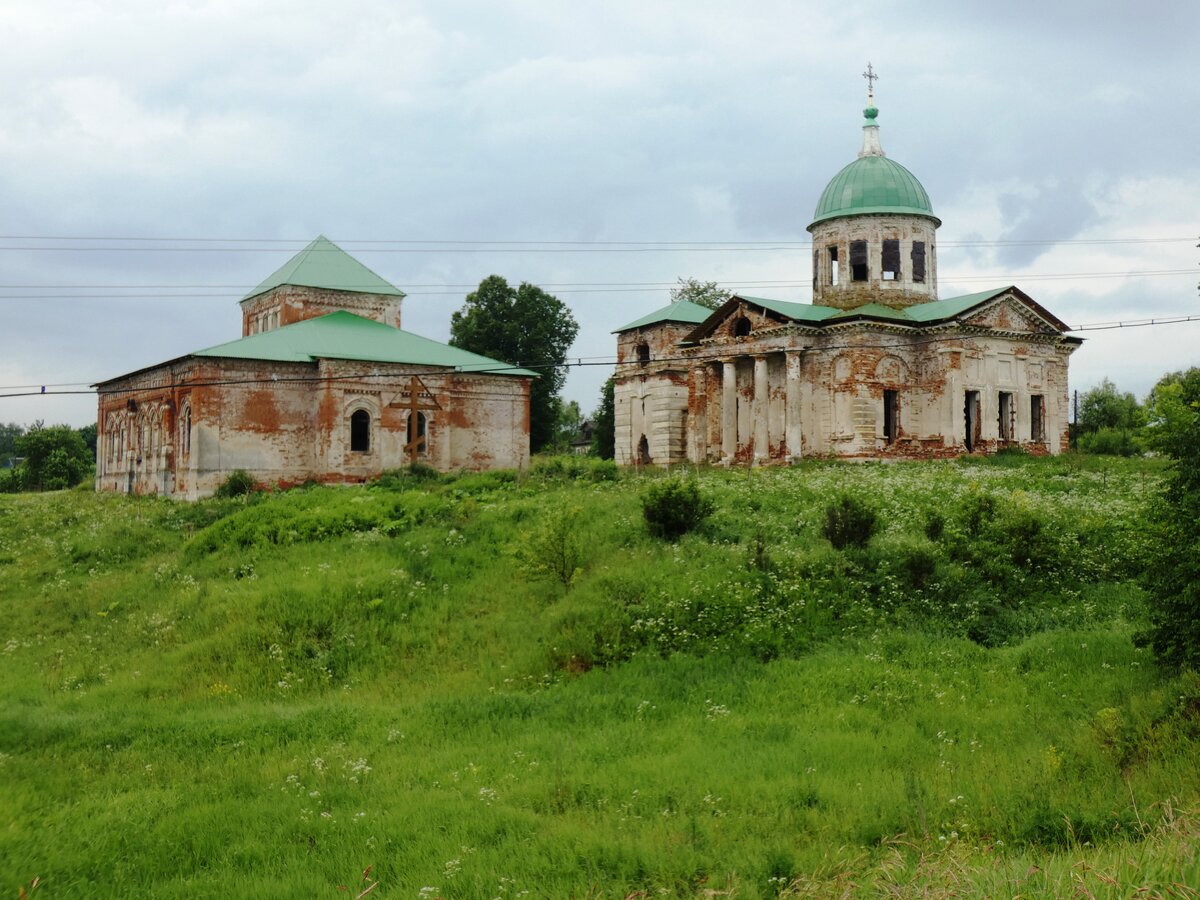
(791, 416)
(728, 410)
(697, 418)
(762, 434)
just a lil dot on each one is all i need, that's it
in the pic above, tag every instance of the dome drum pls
(888, 259)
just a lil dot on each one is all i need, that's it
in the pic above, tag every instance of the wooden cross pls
(416, 388)
(871, 79)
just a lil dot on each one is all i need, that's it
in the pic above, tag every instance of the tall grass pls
(265, 696)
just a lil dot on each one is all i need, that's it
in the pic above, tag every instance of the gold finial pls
(871, 79)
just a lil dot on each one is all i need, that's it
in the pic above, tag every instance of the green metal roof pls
(951, 306)
(680, 311)
(873, 184)
(803, 312)
(343, 335)
(323, 264)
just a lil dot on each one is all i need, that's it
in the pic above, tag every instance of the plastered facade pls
(180, 428)
(787, 390)
(875, 367)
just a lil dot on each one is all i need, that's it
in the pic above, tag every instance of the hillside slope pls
(491, 686)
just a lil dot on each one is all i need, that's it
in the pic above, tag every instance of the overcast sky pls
(1054, 139)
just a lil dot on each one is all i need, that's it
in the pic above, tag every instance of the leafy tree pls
(523, 326)
(1106, 407)
(1172, 405)
(9, 432)
(88, 433)
(55, 457)
(702, 293)
(604, 423)
(1173, 578)
(568, 423)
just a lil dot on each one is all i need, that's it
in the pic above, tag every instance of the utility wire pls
(578, 362)
(615, 287)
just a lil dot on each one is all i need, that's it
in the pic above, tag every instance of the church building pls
(876, 366)
(322, 386)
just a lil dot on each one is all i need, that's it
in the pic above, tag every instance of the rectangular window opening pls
(1037, 418)
(1007, 413)
(858, 260)
(891, 260)
(918, 262)
(816, 268)
(833, 265)
(891, 415)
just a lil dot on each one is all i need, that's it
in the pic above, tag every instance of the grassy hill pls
(492, 686)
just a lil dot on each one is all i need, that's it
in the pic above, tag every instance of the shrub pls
(935, 525)
(977, 512)
(555, 547)
(849, 522)
(1110, 442)
(675, 506)
(237, 484)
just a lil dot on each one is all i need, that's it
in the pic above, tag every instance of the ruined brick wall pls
(288, 304)
(651, 395)
(181, 428)
(874, 230)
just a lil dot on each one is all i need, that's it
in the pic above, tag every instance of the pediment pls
(737, 318)
(1010, 313)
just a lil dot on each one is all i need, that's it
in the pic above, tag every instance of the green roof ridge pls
(323, 264)
(680, 311)
(344, 335)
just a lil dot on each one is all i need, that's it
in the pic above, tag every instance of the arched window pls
(741, 328)
(360, 431)
(420, 431)
(185, 429)
(643, 353)
(643, 456)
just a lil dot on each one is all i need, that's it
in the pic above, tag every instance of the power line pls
(615, 287)
(579, 362)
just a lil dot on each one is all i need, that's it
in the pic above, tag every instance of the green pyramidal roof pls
(323, 264)
(873, 184)
(343, 335)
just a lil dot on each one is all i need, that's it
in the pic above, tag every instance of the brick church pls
(323, 385)
(876, 366)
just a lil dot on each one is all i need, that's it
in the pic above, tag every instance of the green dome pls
(873, 184)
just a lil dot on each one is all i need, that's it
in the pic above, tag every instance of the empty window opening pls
(360, 431)
(741, 327)
(891, 260)
(643, 456)
(643, 354)
(974, 421)
(858, 260)
(918, 262)
(1037, 418)
(891, 415)
(419, 434)
(833, 265)
(185, 430)
(816, 267)
(1007, 412)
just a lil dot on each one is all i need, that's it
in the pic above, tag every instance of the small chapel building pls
(322, 386)
(876, 366)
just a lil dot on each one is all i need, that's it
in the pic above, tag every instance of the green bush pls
(1110, 442)
(13, 481)
(675, 506)
(849, 522)
(237, 484)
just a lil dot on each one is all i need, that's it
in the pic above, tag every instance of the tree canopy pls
(523, 326)
(702, 293)
(1105, 407)
(604, 424)
(55, 457)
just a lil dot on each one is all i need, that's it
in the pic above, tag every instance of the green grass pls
(263, 696)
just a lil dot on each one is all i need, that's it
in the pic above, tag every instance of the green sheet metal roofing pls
(323, 264)
(343, 335)
(680, 311)
(873, 184)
